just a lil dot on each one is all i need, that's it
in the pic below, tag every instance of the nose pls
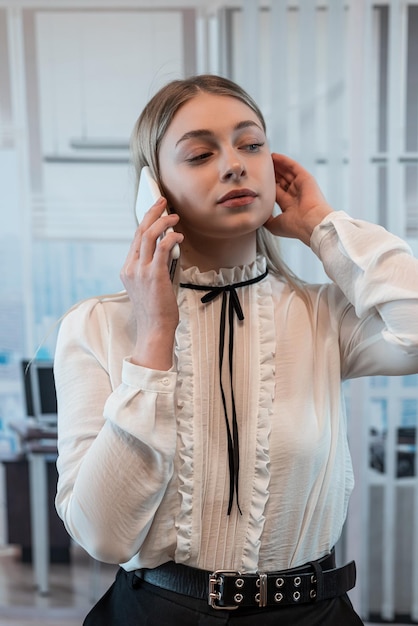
(233, 169)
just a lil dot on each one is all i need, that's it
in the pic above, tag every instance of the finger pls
(283, 184)
(285, 165)
(153, 212)
(289, 169)
(164, 246)
(155, 235)
(150, 217)
(151, 248)
(284, 177)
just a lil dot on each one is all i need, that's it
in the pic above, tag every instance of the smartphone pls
(148, 194)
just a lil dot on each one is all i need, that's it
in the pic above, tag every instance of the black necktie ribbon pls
(232, 305)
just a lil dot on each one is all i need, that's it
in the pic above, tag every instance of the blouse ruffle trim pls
(260, 495)
(186, 476)
(186, 442)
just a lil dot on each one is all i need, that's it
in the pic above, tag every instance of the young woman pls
(202, 436)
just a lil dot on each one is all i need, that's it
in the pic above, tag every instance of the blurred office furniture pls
(31, 478)
(40, 395)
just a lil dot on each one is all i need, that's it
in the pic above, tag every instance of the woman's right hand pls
(146, 278)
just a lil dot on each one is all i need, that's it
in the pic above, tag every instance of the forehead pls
(212, 112)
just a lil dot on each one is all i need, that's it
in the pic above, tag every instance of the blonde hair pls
(145, 142)
(153, 123)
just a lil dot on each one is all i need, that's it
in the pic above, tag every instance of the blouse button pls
(165, 382)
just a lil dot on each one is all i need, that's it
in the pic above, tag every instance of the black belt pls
(226, 589)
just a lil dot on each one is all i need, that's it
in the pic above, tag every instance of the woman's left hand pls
(300, 199)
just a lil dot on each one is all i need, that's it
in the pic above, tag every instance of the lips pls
(237, 194)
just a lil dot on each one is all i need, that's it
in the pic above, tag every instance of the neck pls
(211, 254)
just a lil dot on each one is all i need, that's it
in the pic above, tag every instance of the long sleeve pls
(378, 275)
(116, 435)
(143, 464)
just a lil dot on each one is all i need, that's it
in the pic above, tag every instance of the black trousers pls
(142, 604)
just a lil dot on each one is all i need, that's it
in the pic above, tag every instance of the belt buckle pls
(214, 596)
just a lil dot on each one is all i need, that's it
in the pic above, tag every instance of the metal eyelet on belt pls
(296, 596)
(297, 581)
(238, 597)
(239, 583)
(279, 582)
(278, 597)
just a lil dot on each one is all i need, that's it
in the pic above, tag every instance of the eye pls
(253, 147)
(199, 157)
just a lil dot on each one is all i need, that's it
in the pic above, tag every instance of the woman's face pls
(216, 168)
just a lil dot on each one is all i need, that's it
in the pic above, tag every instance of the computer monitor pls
(40, 395)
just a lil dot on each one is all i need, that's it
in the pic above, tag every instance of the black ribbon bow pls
(233, 305)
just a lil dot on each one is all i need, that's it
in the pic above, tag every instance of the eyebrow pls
(203, 132)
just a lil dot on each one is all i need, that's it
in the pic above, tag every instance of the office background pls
(338, 83)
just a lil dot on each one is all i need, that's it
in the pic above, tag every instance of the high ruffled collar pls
(223, 276)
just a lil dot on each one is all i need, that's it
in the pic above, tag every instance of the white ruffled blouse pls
(143, 454)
